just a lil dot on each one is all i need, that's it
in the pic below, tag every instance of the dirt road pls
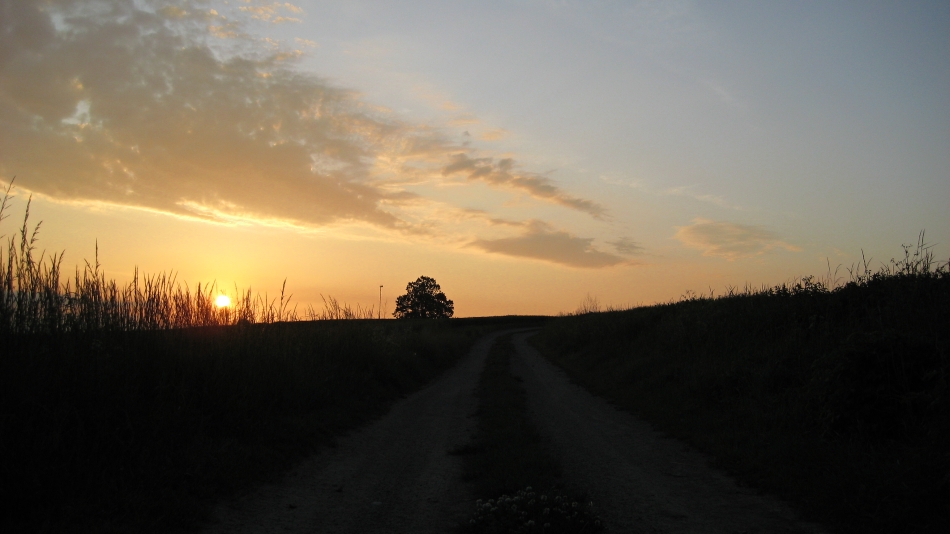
(638, 480)
(393, 475)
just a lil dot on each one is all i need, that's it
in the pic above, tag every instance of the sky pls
(527, 154)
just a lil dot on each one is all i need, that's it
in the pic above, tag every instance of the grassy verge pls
(835, 399)
(517, 479)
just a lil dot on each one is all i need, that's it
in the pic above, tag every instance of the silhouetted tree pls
(424, 299)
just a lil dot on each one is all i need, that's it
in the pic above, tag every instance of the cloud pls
(173, 12)
(128, 108)
(687, 191)
(271, 12)
(306, 42)
(494, 135)
(177, 109)
(690, 192)
(484, 216)
(541, 242)
(463, 120)
(729, 240)
(625, 245)
(503, 173)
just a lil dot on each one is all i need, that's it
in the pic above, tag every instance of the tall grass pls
(336, 310)
(34, 297)
(831, 392)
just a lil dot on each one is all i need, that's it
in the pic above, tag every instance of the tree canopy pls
(424, 299)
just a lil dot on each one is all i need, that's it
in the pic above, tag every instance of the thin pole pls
(379, 311)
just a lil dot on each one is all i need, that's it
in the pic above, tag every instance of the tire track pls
(639, 480)
(392, 476)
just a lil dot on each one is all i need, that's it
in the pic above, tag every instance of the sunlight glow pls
(223, 301)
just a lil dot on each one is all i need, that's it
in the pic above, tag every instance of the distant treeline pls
(832, 395)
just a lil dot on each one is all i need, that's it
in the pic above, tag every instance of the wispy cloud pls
(625, 245)
(494, 135)
(687, 191)
(464, 120)
(484, 216)
(730, 240)
(690, 191)
(145, 105)
(273, 12)
(503, 173)
(542, 242)
(305, 42)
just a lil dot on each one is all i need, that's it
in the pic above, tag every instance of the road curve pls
(639, 481)
(393, 475)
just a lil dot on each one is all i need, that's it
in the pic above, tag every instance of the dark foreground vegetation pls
(833, 396)
(517, 479)
(134, 408)
(140, 431)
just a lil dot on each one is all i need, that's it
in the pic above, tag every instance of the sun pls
(223, 301)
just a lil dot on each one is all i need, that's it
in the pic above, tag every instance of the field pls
(831, 395)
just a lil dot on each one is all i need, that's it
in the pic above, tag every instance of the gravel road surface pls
(639, 481)
(393, 475)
